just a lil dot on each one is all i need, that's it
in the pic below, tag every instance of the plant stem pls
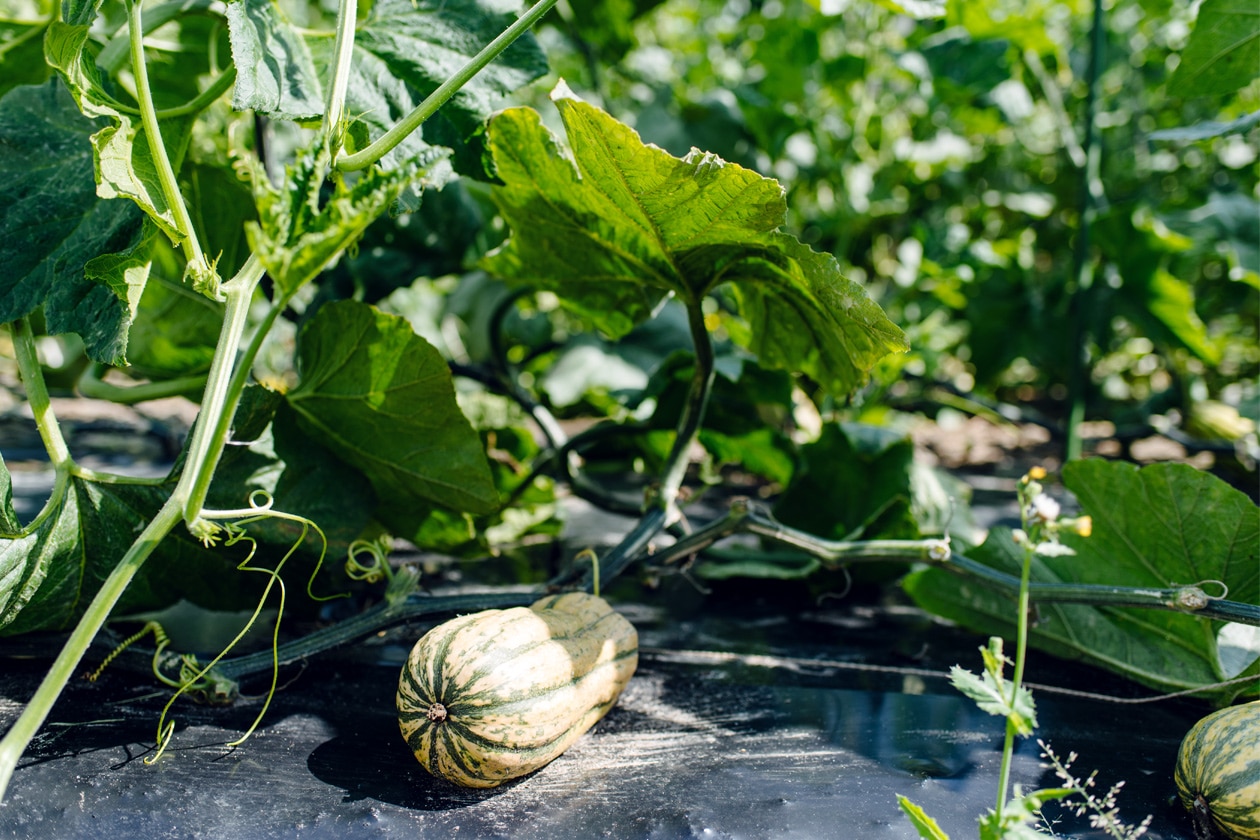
(224, 385)
(37, 394)
(390, 139)
(157, 149)
(1021, 651)
(372, 620)
(1081, 305)
(221, 84)
(343, 53)
(113, 54)
(693, 412)
(748, 519)
(91, 385)
(36, 712)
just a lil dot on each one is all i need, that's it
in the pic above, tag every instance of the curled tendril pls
(196, 678)
(377, 569)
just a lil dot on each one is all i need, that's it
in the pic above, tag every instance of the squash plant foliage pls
(192, 185)
(139, 198)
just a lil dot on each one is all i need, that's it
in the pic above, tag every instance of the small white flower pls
(1044, 508)
(1053, 549)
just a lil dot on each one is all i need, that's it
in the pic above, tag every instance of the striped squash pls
(1218, 773)
(497, 694)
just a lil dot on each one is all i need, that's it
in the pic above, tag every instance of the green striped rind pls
(518, 686)
(1219, 765)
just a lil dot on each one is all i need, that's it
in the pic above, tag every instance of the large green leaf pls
(1223, 52)
(53, 224)
(620, 225)
(274, 71)
(380, 398)
(1155, 527)
(124, 162)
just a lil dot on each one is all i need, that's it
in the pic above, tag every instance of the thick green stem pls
(370, 621)
(224, 385)
(157, 149)
(693, 412)
(36, 712)
(390, 139)
(37, 394)
(1082, 303)
(343, 52)
(746, 518)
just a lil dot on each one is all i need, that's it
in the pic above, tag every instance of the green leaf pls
(274, 71)
(125, 168)
(917, 9)
(991, 691)
(51, 569)
(1160, 526)
(53, 224)
(925, 825)
(22, 54)
(852, 476)
(124, 165)
(1223, 51)
(9, 522)
(621, 224)
(300, 231)
(301, 477)
(380, 397)
(1030, 25)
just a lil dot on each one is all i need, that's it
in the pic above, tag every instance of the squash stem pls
(36, 712)
(32, 374)
(404, 127)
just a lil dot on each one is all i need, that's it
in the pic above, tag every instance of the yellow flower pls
(1084, 525)
(1037, 473)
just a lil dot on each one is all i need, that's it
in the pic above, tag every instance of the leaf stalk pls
(196, 259)
(388, 141)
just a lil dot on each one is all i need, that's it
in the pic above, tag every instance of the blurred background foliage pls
(941, 160)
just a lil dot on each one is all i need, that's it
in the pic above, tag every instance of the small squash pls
(1218, 773)
(497, 694)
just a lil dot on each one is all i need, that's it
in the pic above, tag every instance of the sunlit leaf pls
(1223, 51)
(621, 225)
(380, 398)
(51, 569)
(300, 228)
(274, 71)
(925, 825)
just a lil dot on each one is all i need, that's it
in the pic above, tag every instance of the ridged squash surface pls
(1218, 772)
(494, 695)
